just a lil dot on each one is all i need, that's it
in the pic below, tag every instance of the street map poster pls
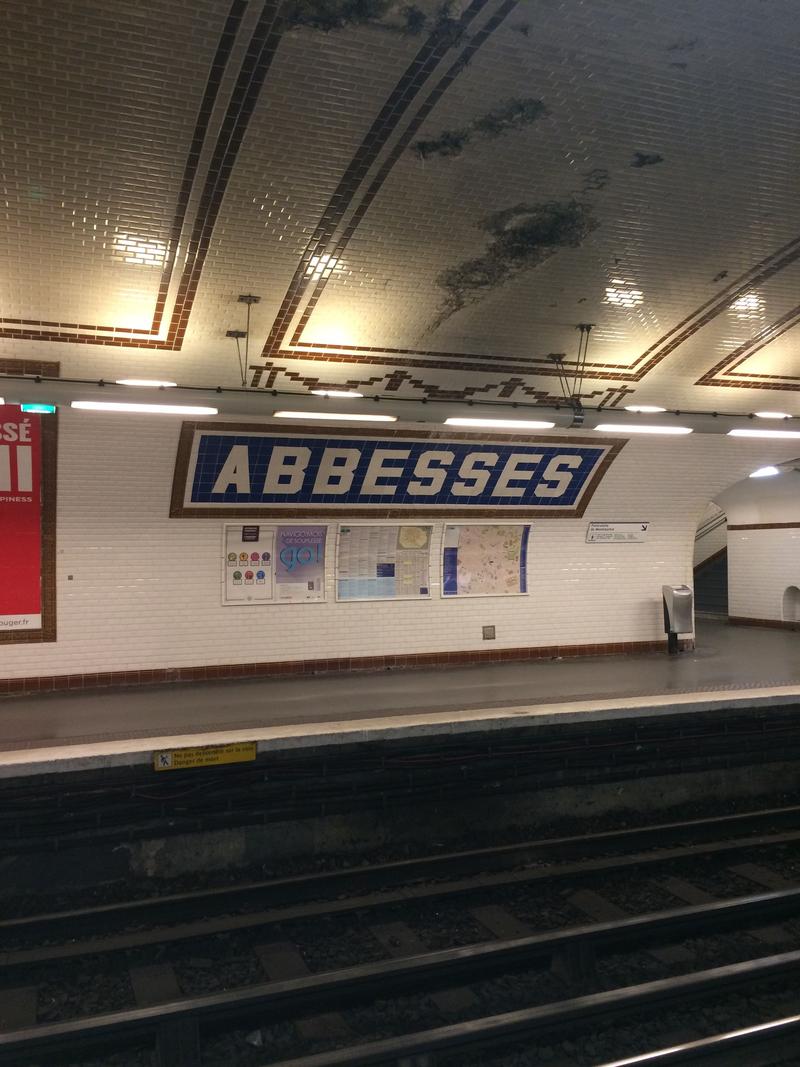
(300, 563)
(383, 562)
(485, 560)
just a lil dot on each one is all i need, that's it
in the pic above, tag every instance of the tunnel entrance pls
(711, 585)
(711, 563)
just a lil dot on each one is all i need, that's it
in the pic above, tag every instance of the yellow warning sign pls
(178, 759)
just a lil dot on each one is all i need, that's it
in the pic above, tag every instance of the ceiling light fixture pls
(320, 265)
(343, 394)
(765, 472)
(345, 416)
(748, 306)
(146, 409)
(622, 294)
(625, 428)
(644, 409)
(785, 435)
(771, 415)
(134, 248)
(147, 383)
(509, 424)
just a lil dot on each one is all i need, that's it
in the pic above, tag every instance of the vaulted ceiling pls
(427, 198)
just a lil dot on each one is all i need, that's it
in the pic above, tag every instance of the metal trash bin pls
(678, 601)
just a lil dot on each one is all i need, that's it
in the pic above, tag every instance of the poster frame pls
(274, 601)
(481, 596)
(383, 599)
(48, 631)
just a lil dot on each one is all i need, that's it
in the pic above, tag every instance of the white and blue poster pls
(383, 562)
(300, 563)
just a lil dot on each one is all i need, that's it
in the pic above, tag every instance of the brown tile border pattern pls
(390, 381)
(177, 510)
(284, 668)
(739, 356)
(766, 526)
(33, 367)
(258, 58)
(320, 243)
(771, 624)
(386, 122)
(260, 53)
(48, 629)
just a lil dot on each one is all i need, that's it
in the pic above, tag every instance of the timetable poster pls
(485, 560)
(300, 563)
(383, 563)
(249, 553)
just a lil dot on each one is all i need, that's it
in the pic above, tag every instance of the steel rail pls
(339, 989)
(435, 891)
(495, 1029)
(332, 884)
(721, 1047)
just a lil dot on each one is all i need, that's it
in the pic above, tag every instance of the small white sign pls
(605, 532)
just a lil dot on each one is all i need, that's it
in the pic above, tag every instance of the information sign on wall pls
(179, 759)
(383, 563)
(250, 471)
(605, 532)
(485, 560)
(249, 552)
(27, 525)
(265, 563)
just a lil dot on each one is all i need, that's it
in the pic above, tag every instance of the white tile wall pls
(761, 564)
(144, 590)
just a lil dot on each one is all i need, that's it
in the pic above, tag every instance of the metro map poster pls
(485, 560)
(27, 525)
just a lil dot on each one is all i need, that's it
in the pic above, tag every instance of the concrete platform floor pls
(727, 659)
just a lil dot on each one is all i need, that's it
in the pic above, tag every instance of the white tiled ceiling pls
(427, 202)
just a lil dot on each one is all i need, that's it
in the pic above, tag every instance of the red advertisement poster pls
(20, 521)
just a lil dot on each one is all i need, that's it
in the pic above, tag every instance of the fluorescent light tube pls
(765, 472)
(772, 415)
(644, 409)
(337, 415)
(343, 394)
(786, 435)
(154, 409)
(625, 427)
(509, 424)
(147, 383)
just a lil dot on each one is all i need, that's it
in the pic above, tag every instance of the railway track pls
(175, 1027)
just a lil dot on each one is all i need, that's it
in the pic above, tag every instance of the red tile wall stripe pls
(59, 682)
(771, 624)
